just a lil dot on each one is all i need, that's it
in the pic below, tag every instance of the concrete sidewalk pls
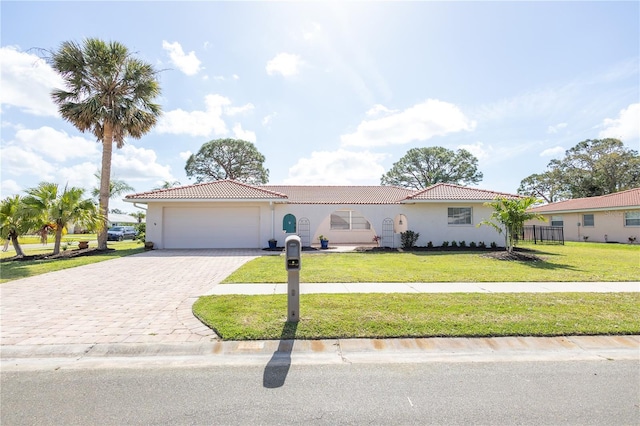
(492, 287)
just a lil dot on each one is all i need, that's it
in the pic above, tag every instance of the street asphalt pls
(138, 309)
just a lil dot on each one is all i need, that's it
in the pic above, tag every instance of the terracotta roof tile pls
(447, 191)
(629, 198)
(220, 190)
(341, 194)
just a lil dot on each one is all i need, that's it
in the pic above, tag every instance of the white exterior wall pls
(608, 226)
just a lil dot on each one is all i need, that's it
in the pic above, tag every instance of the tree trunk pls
(105, 179)
(56, 244)
(16, 245)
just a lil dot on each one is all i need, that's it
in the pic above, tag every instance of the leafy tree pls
(509, 215)
(545, 185)
(423, 167)
(49, 206)
(116, 187)
(109, 93)
(13, 221)
(228, 159)
(593, 167)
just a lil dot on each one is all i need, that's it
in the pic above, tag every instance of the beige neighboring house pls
(230, 214)
(607, 218)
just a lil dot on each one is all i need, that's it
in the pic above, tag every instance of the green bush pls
(408, 239)
(445, 244)
(472, 244)
(462, 243)
(454, 244)
(142, 231)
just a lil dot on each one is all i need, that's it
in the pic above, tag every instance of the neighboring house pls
(115, 219)
(607, 218)
(230, 214)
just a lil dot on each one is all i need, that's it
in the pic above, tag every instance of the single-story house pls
(230, 214)
(607, 218)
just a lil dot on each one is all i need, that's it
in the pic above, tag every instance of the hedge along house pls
(607, 218)
(230, 214)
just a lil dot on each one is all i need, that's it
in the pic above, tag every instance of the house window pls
(459, 215)
(557, 221)
(289, 224)
(348, 220)
(631, 218)
(587, 220)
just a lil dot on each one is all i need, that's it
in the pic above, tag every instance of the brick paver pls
(145, 298)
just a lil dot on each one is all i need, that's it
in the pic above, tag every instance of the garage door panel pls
(211, 227)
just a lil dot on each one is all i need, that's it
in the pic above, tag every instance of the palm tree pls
(50, 207)
(167, 185)
(109, 93)
(511, 213)
(13, 221)
(139, 216)
(116, 187)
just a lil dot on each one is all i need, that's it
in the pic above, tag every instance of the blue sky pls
(330, 92)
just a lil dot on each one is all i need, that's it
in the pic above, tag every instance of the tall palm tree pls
(49, 206)
(13, 221)
(109, 93)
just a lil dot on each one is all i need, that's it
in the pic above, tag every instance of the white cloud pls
(196, 123)
(245, 135)
(17, 161)
(9, 187)
(556, 151)
(235, 77)
(138, 164)
(238, 110)
(188, 64)
(56, 145)
(339, 167)
(626, 127)
(378, 109)
(286, 64)
(556, 128)
(417, 123)
(478, 150)
(185, 155)
(266, 120)
(27, 82)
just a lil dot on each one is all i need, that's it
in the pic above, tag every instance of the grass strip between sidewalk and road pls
(590, 262)
(375, 315)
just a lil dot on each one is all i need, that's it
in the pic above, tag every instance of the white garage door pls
(211, 227)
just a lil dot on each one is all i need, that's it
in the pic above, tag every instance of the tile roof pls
(225, 190)
(341, 194)
(219, 190)
(629, 198)
(447, 191)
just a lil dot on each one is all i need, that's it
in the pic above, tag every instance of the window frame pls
(561, 220)
(451, 216)
(349, 221)
(593, 220)
(636, 218)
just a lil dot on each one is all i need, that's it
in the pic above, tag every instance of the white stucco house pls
(607, 218)
(230, 214)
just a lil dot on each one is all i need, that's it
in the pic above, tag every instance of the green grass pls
(326, 316)
(13, 270)
(571, 262)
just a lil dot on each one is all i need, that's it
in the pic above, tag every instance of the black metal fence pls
(543, 234)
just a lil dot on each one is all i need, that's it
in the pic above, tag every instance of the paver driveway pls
(145, 298)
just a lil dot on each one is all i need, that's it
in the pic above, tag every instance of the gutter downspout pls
(140, 207)
(273, 220)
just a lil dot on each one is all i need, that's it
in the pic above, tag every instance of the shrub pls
(454, 244)
(462, 243)
(430, 244)
(482, 245)
(494, 245)
(408, 239)
(142, 231)
(472, 244)
(445, 244)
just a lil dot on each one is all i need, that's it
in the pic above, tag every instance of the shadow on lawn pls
(277, 369)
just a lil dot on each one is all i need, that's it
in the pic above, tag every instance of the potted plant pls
(273, 243)
(376, 239)
(324, 243)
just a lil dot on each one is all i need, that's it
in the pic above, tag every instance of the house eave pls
(204, 200)
(597, 209)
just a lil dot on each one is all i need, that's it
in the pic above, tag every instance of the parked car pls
(119, 233)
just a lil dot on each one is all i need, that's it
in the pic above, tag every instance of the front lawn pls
(325, 316)
(571, 262)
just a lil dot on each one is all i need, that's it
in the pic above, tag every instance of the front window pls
(557, 221)
(459, 215)
(587, 220)
(632, 218)
(346, 220)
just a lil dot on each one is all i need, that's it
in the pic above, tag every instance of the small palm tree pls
(49, 206)
(139, 216)
(509, 214)
(109, 93)
(167, 185)
(116, 187)
(13, 221)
